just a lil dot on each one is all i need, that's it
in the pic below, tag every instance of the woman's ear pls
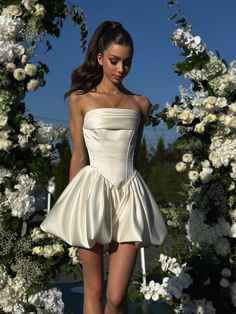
(99, 58)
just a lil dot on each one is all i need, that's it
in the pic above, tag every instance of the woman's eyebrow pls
(114, 56)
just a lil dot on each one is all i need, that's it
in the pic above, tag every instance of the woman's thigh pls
(122, 260)
(92, 265)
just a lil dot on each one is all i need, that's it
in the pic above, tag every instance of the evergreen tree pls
(61, 168)
(143, 159)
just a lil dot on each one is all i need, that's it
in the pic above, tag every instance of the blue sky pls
(152, 71)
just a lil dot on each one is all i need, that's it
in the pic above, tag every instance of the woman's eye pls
(113, 61)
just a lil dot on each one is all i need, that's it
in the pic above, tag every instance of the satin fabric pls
(107, 199)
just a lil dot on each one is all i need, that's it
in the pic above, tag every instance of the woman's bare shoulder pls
(79, 100)
(144, 103)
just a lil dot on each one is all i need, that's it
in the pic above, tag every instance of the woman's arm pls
(79, 157)
(145, 107)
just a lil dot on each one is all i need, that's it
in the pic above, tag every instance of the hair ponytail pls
(89, 74)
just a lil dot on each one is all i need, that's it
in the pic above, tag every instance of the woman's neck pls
(110, 88)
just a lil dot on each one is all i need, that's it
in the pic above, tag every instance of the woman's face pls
(116, 62)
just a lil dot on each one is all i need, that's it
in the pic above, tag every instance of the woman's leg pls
(121, 264)
(92, 264)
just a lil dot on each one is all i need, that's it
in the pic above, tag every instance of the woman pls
(106, 200)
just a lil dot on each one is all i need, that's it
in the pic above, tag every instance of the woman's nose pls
(120, 67)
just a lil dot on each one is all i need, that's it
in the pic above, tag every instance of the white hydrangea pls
(21, 201)
(12, 294)
(10, 28)
(6, 145)
(47, 132)
(23, 140)
(202, 306)
(9, 51)
(50, 301)
(198, 231)
(4, 172)
(222, 150)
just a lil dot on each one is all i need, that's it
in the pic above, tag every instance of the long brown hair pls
(89, 74)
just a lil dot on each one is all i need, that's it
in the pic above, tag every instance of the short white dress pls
(107, 199)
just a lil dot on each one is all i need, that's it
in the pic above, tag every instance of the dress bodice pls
(110, 135)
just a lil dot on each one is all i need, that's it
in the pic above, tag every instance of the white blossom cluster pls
(201, 306)
(223, 152)
(47, 132)
(48, 250)
(201, 233)
(186, 40)
(171, 286)
(210, 70)
(225, 84)
(49, 301)
(11, 295)
(20, 200)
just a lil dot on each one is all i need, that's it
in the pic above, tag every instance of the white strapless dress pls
(108, 199)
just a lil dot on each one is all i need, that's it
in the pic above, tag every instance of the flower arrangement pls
(203, 279)
(29, 258)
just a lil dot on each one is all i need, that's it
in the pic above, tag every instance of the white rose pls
(45, 149)
(232, 122)
(172, 112)
(224, 283)
(19, 74)
(37, 234)
(210, 118)
(231, 186)
(73, 251)
(221, 102)
(187, 157)
(40, 10)
(216, 162)
(32, 85)
(38, 250)
(58, 248)
(206, 174)
(209, 100)
(232, 107)
(30, 69)
(199, 128)
(193, 175)
(3, 121)
(186, 117)
(226, 272)
(27, 128)
(233, 229)
(12, 10)
(233, 213)
(227, 78)
(48, 251)
(24, 59)
(10, 67)
(205, 163)
(4, 135)
(181, 166)
(5, 145)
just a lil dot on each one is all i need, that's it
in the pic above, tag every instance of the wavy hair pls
(88, 75)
